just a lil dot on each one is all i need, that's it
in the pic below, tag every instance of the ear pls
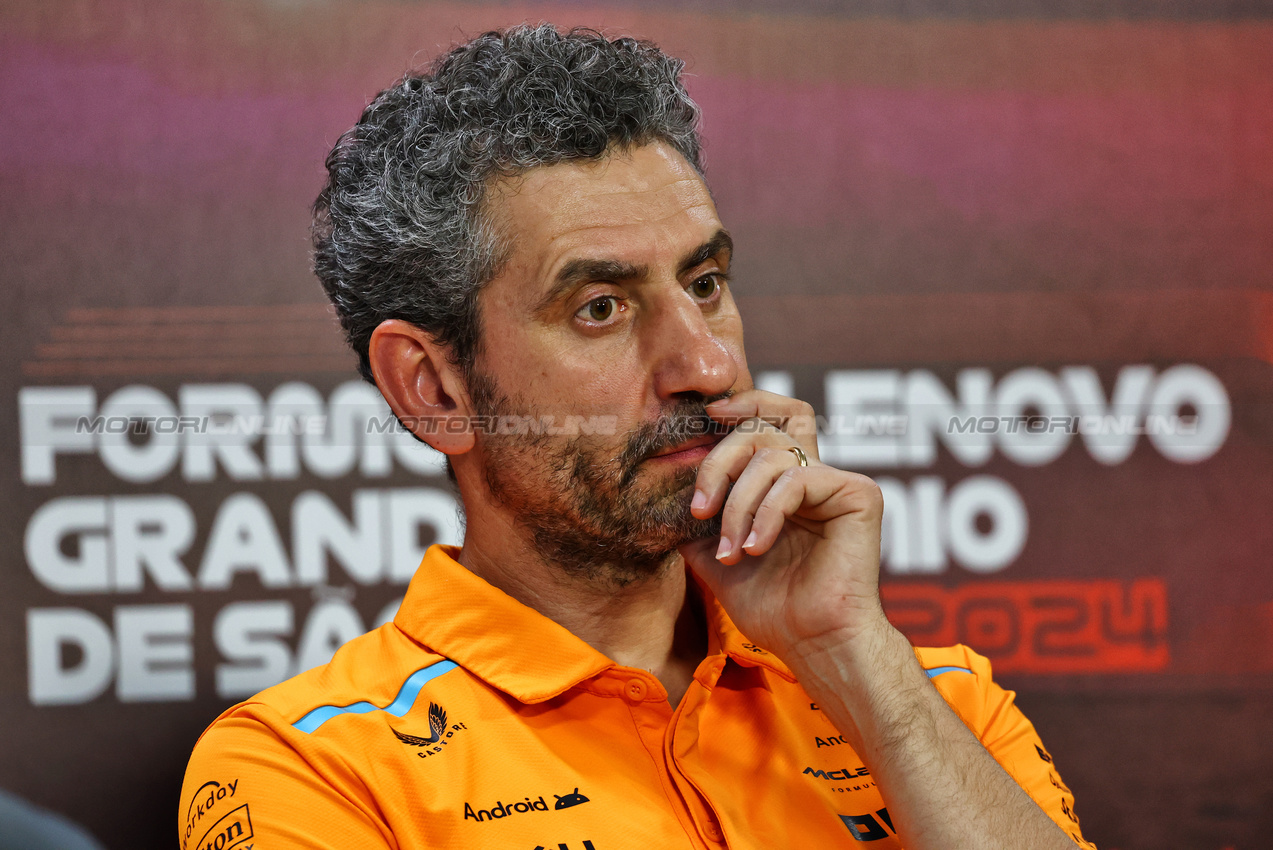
(421, 385)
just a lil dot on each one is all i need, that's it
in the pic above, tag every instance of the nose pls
(689, 356)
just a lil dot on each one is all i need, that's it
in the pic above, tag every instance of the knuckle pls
(766, 510)
(732, 514)
(770, 455)
(805, 421)
(711, 467)
(760, 425)
(868, 488)
(790, 477)
(863, 482)
(761, 421)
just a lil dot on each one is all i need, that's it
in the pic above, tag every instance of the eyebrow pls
(720, 243)
(582, 270)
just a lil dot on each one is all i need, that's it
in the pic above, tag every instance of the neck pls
(651, 624)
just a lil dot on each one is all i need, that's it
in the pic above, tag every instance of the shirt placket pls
(653, 718)
(698, 807)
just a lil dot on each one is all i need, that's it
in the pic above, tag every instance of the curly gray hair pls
(399, 229)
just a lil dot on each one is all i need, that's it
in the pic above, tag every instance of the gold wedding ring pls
(800, 455)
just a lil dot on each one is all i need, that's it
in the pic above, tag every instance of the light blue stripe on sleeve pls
(401, 704)
(937, 671)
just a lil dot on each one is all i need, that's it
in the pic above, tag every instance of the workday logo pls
(204, 801)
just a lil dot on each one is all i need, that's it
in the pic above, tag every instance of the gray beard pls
(581, 507)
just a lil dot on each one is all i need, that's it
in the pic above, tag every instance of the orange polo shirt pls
(473, 721)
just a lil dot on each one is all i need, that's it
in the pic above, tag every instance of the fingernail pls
(717, 402)
(724, 549)
(699, 501)
(751, 541)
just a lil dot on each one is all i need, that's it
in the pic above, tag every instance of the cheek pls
(521, 362)
(612, 390)
(568, 385)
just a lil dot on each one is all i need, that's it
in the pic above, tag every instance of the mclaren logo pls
(846, 779)
(439, 734)
(844, 774)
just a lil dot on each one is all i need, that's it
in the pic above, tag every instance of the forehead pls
(646, 205)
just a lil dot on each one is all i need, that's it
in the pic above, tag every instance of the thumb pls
(701, 556)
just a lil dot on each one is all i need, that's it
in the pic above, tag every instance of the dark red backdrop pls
(1003, 212)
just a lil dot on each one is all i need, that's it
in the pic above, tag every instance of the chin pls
(686, 529)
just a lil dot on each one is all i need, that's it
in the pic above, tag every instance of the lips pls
(704, 440)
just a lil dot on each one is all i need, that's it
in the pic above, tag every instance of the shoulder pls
(372, 669)
(383, 669)
(265, 750)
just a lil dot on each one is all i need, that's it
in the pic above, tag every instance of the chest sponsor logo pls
(829, 741)
(870, 827)
(439, 733)
(574, 798)
(209, 797)
(503, 810)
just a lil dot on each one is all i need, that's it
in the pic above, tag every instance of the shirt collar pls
(725, 639)
(516, 649)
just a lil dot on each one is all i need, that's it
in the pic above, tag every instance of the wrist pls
(866, 665)
(867, 681)
(866, 645)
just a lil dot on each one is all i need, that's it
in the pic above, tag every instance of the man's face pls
(614, 304)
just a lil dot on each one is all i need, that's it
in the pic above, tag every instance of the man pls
(524, 231)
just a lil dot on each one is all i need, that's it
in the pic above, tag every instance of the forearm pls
(943, 789)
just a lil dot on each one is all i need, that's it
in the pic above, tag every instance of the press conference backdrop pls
(1018, 255)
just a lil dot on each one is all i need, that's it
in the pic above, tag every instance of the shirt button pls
(713, 831)
(635, 690)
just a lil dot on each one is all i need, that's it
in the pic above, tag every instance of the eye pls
(600, 309)
(706, 286)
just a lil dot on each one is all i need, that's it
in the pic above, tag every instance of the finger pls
(813, 496)
(726, 461)
(797, 418)
(781, 501)
(767, 465)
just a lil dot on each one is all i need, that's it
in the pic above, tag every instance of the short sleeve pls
(246, 786)
(992, 714)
